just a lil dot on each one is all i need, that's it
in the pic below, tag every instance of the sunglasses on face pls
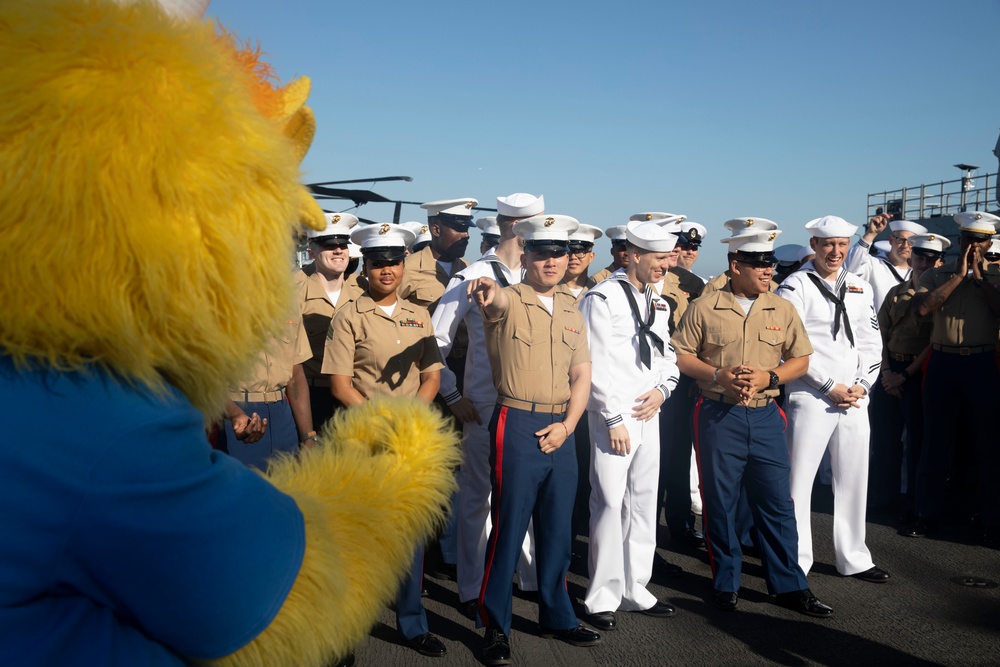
(579, 249)
(759, 265)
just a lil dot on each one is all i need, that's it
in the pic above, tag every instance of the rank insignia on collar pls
(772, 328)
(410, 322)
(576, 331)
(855, 289)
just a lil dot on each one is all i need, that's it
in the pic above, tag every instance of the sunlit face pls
(900, 248)
(751, 277)
(579, 259)
(650, 266)
(830, 253)
(544, 269)
(384, 276)
(672, 257)
(330, 258)
(450, 242)
(688, 255)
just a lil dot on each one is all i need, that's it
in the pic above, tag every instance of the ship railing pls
(972, 193)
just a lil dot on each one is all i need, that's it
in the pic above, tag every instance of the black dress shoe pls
(429, 645)
(875, 575)
(578, 636)
(918, 528)
(804, 602)
(441, 570)
(666, 569)
(694, 538)
(726, 601)
(496, 648)
(659, 610)
(603, 620)
(469, 608)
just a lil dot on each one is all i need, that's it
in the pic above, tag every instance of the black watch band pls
(774, 380)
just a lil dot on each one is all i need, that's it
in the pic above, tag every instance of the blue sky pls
(782, 109)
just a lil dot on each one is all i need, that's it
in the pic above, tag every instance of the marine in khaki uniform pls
(619, 254)
(275, 390)
(326, 289)
(905, 347)
(541, 368)
(429, 270)
(961, 380)
(382, 344)
(733, 342)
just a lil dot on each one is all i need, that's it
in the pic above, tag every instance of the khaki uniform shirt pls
(317, 313)
(903, 332)
(531, 351)
(273, 368)
(670, 290)
(424, 281)
(965, 319)
(721, 280)
(603, 274)
(382, 354)
(716, 330)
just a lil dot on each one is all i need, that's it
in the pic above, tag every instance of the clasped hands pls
(743, 382)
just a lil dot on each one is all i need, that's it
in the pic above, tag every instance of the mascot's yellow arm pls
(378, 484)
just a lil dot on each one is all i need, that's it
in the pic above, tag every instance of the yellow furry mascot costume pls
(148, 198)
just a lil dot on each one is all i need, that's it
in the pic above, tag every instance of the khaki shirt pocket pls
(716, 343)
(769, 349)
(527, 344)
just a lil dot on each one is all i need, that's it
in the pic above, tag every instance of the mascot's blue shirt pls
(111, 500)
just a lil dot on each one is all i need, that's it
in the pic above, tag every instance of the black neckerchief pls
(840, 310)
(892, 269)
(644, 329)
(501, 278)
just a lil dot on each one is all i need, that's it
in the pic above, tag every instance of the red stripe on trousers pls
(494, 512)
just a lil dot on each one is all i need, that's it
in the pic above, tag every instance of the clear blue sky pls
(785, 109)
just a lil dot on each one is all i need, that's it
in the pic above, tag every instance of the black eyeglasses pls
(333, 245)
(758, 265)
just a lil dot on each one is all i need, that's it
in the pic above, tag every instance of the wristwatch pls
(774, 380)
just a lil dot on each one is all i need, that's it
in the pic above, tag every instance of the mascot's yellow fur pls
(149, 198)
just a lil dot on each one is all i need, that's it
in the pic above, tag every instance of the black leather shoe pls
(603, 620)
(578, 636)
(429, 645)
(469, 608)
(447, 571)
(659, 610)
(496, 648)
(726, 601)
(694, 539)
(662, 567)
(918, 528)
(804, 602)
(875, 575)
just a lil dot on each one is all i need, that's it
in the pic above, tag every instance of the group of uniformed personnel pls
(581, 398)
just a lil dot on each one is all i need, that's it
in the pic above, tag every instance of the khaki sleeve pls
(338, 353)
(303, 352)
(581, 355)
(687, 338)
(430, 359)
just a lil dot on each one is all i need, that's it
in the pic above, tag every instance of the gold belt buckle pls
(964, 351)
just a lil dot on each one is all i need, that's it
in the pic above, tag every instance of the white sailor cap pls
(546, 232)
(488, 226)
(383, 241)
(691, 233)
(421, 231)
(737, 225)
(657, 215)
(978, 224)
(650, 236)
(616, 234)
(338, 227)
(788, 253)
(456, 212)
(883, 246)
(353, 250)
(994, 249)
(754, 245)
(806, 252)
(585, 234)
(929, 245)
(520, 205)
(831, 227)
(906, 226)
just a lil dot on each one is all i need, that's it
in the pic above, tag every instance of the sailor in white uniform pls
(473, 409)
(883, 272)
(633, 371)
(827, 407)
